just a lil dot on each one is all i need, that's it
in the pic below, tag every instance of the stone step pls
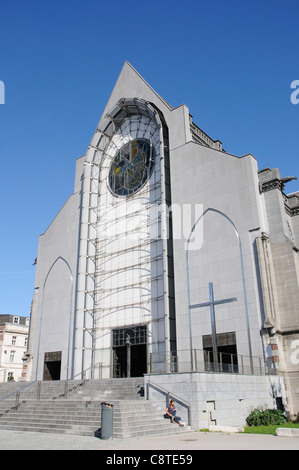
(63, 404)
(55, 421)
(79, 415)
(136, 430)
(55, 388)
(87, 429)
(80, 432)
(124, 425)
(88, 425)
(96, 433)
(79, 412)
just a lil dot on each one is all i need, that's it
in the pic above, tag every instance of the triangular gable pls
(130, 84)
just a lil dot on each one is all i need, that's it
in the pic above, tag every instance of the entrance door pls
(130, 352)
(52, 365)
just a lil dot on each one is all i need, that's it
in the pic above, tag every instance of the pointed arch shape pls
(42, 311)
(229, 220)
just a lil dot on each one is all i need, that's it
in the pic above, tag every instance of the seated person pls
(171, 413)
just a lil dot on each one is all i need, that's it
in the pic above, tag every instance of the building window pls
(27, 321)
(26, 342)
(12, 356)
(13, 340)
(16, 320)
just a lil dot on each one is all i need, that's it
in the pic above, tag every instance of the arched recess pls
(56, 316)
(241, 264)
(129, 119)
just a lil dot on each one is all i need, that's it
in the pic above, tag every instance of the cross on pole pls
(212, 303)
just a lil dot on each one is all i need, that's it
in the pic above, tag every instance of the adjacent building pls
(14, 331)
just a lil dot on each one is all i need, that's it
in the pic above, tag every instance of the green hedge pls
(266, 418)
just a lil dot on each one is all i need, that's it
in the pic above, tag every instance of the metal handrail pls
(18, 391)
(228, 363)
(81, 384)
(169, 396)
(92, 368)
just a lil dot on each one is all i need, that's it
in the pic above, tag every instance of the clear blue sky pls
(230, 61)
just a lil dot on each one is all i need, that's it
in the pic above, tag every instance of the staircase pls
(74, 407)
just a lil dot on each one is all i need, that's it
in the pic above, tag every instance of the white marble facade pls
(112, 266)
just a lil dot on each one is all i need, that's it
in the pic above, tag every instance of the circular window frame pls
(150, 162)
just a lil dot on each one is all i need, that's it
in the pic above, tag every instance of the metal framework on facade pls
(134, 118)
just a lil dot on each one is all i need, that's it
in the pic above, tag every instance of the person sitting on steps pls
(171, 413)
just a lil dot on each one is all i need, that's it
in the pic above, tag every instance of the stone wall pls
(216, 399)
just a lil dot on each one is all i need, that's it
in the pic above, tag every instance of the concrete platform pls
(287, 432)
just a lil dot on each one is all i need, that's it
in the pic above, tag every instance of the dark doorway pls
(227, 352)
(130, 352)
(52, 365)
(138, 360)
(129, 361)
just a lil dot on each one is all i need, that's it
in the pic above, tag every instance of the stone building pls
(14, 331)
(171, 256)
(277, 249)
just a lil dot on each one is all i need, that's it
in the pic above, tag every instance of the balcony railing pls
(202, 361)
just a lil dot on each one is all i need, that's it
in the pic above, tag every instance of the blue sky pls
(231, 62)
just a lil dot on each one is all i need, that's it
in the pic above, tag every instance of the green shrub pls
(266, 418)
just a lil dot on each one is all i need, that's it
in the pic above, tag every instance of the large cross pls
(212, 303)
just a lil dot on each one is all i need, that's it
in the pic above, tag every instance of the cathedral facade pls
(171, 255)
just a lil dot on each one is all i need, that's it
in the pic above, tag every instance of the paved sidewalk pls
(11, 440)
